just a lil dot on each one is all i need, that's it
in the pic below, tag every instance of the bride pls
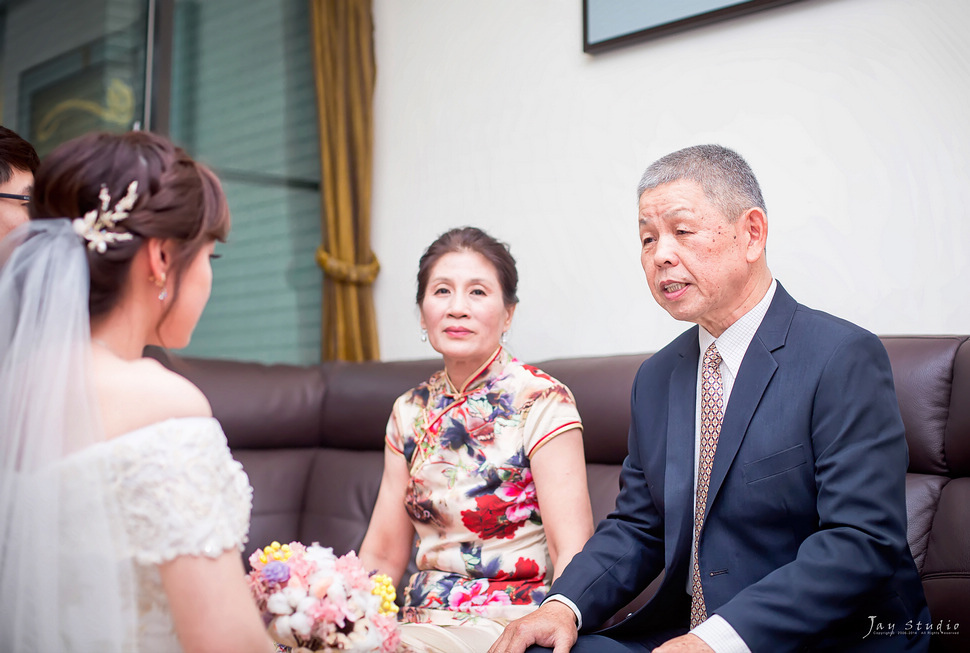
(122, 512)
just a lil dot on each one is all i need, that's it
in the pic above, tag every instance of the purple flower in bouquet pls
(276, 572)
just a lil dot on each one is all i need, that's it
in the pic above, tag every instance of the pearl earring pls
(505, 338)
(160, 282)
(424, 335)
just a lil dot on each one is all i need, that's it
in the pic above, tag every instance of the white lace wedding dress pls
(86, 522)
(180, 492)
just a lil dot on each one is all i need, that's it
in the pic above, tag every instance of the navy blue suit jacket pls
(805, 535)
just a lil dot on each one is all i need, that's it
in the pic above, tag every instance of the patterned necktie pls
(712, 412)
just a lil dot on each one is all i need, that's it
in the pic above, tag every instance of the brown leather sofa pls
(311, 439)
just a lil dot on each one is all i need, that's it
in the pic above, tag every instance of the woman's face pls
(177, 327)
(464, 311)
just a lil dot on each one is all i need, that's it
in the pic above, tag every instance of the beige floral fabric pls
(471, 495)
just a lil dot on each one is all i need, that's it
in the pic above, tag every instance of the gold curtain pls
(343, 50)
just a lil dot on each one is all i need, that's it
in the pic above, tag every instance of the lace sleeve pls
(181, 491)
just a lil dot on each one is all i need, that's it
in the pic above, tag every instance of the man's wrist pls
(560, 598)
(717, 633)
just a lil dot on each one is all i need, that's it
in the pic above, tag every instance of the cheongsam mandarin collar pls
(492, 367)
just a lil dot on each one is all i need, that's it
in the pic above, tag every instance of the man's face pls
(14, 212)
(695, 260)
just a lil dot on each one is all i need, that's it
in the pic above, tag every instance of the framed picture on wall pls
(611, 23)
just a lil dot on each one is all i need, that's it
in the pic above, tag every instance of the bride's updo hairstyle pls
(178, 200)
(471, 239)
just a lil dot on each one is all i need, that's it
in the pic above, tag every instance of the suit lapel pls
(679, 476)
(757, 368)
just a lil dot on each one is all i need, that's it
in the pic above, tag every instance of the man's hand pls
(684, 644)
(552, 625)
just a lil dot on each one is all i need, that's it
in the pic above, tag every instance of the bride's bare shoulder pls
(157, 384)
(133, 394)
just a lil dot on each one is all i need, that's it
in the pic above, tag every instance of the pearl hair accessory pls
(96, 224)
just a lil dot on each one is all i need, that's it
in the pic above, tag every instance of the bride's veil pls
(65, 584)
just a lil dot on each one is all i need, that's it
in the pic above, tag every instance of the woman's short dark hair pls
(471, 239)
(179, 200)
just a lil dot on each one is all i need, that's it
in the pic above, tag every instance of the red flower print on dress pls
(522, 584)
(556, 389)
(489, 520)
(522, 495)
(499, 515)
(535, 371)
(525, 569)
(475, 598)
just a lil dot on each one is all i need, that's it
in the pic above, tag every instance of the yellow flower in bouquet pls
(384, 588)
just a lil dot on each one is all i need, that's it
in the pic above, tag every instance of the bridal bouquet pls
(313, 600)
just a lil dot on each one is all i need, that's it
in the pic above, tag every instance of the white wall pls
(853, 114)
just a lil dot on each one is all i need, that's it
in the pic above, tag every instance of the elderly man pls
(18, 161)
(766, 465)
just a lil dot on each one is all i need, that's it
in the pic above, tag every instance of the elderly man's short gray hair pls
(726, 178)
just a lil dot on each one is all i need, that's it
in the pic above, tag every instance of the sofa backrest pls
(932, 377)
(311, 439)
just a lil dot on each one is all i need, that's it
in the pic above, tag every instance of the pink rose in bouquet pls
(313, 600)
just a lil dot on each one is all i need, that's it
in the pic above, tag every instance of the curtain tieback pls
(344, 272)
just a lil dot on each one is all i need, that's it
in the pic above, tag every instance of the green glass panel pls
(243, 101)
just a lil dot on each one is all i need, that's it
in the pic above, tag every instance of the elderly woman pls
(484, 461)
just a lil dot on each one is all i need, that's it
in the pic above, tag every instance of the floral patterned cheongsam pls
(482, 550)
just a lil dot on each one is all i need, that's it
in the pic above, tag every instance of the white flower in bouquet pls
(277, 603)
(300, 624)
(279, 629)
